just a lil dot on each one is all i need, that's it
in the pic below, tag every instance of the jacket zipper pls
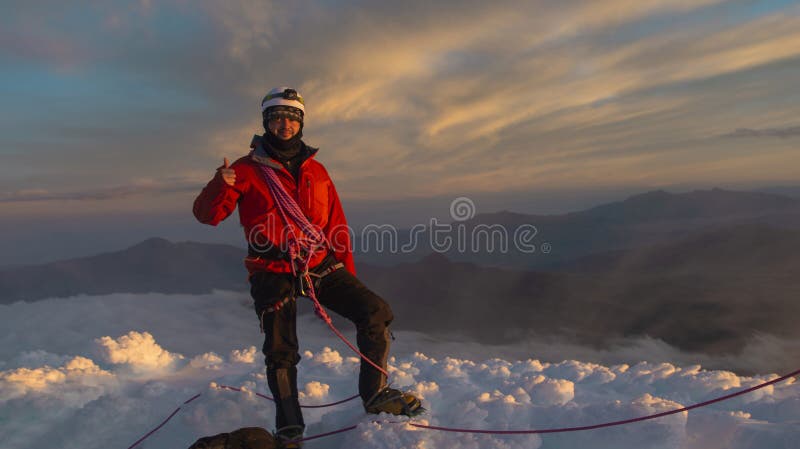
(308, 196)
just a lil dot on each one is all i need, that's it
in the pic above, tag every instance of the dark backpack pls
(245, 438)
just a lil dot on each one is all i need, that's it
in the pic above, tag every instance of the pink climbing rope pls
(228, 387)
(326, 434)
(612, 423)
(314, 240)
(499, 432)
(331, 404)
(155, 429)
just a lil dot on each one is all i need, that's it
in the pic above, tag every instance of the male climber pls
(274, 288)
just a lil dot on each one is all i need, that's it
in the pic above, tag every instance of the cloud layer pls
(111, 368)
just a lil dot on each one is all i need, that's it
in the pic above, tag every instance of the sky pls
(115, 114)
(106, 381)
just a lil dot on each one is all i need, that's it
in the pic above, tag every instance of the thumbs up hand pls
(228, 174)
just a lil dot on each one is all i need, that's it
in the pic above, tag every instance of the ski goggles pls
(276, 112)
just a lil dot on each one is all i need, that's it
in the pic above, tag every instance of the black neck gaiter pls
(284, 149)
(290, 152)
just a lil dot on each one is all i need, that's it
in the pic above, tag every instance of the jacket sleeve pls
(216, 202)
(338, 233)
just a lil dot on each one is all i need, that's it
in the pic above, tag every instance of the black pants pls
(340, 292)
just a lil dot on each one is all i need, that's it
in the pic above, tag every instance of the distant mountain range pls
(703, 271)
(154, 265)
(707, 292)
(637, 221)
(789, 190)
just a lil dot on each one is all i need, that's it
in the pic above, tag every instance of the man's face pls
(283, 127)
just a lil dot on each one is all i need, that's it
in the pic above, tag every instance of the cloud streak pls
(111, 193)
(782, 133)
(503, 97)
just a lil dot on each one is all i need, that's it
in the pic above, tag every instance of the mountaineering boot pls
(395, 402)
(286, 437)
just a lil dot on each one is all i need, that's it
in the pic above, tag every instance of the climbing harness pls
(318, 277)
(299, 289)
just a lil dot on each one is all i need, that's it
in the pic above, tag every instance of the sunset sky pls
(124, 109)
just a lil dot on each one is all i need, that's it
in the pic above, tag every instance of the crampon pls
(395, 402)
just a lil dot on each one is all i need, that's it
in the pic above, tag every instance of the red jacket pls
(314, 192)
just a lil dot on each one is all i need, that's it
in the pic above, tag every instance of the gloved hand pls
(227, 174)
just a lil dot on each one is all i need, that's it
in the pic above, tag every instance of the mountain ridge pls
(689, 293)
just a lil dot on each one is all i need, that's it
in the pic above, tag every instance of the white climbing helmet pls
(283, 96)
